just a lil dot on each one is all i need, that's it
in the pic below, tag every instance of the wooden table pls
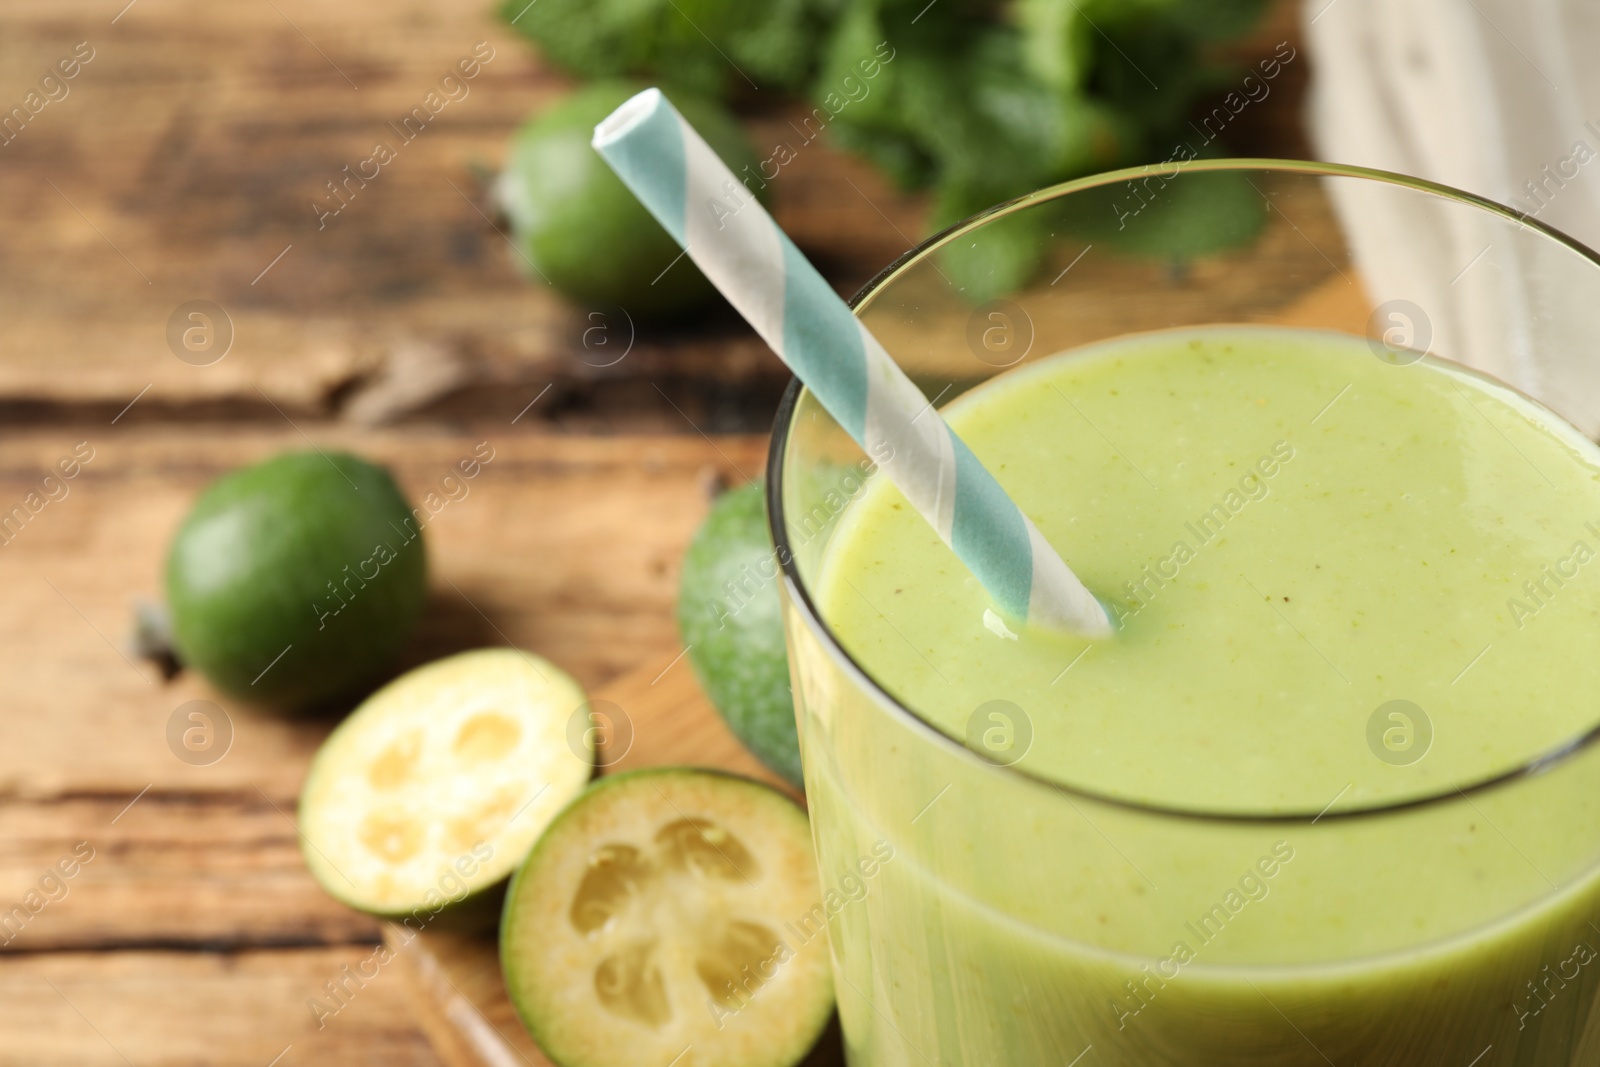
(182, 165)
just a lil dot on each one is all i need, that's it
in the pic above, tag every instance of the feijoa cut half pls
(434, 789)
(670, 916)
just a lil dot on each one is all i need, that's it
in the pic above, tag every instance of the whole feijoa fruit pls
(578, 226)
(732, 624)
(296, 581)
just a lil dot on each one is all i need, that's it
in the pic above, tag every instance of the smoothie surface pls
(1294, 535)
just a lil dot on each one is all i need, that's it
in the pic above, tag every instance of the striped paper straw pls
(733, 240)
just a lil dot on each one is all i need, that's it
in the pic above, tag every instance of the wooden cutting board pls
(455, 978)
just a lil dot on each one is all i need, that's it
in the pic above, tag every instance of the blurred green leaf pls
(707, 45)
(1058, 44)
(1169, 213)
(1216, 20)
(1000, 258)
(983, 100)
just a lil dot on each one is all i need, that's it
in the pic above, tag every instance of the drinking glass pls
(977, 914)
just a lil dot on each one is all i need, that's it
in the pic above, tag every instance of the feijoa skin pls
(731, 622)
(295, 582)
(579, 228)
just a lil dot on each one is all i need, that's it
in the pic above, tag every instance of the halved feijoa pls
(670, 916)
(438, 784)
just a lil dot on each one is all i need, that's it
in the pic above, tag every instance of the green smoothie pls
(1341, 585)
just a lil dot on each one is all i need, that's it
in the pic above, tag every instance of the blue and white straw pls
(733, 240)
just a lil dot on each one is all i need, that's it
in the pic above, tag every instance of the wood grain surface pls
(188, 155)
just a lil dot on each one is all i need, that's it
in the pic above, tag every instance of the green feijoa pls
(580, 228)
(732, 624)
(297, 580)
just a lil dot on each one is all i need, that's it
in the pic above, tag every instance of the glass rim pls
(811, 616)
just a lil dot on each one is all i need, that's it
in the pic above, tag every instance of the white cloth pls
(1500, 98)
